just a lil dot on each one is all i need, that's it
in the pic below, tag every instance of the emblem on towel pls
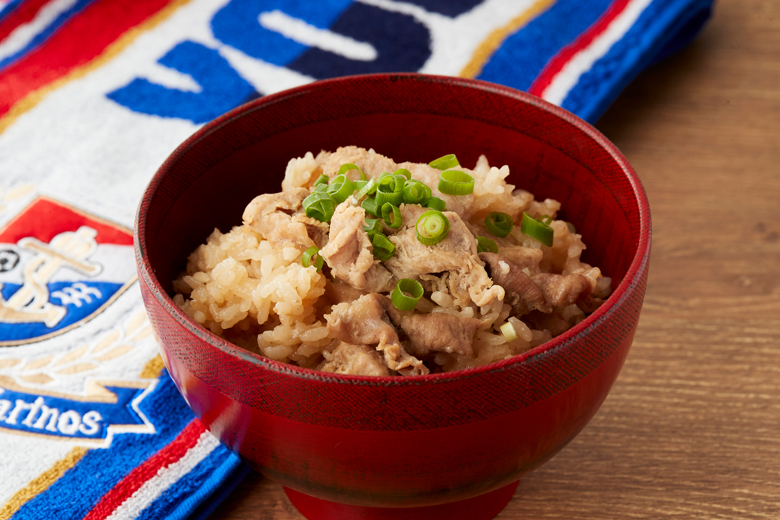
(59, 267)
(106, 409)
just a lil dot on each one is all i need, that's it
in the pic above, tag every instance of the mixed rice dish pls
(364, 266)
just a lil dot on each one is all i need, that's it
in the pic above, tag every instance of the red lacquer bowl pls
(439, 446)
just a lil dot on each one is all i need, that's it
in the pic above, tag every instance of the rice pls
(260, 297)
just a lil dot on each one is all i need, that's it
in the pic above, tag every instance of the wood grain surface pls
(691, 429)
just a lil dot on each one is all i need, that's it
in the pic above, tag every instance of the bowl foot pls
(482, 507)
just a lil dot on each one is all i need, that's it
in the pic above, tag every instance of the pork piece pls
(457, 254)
(317, 231)
(552, 322)
(562, 290)
(371, 163)
(590, 304)
(270, 215)
(349, 252)
(360, 360)
(374, 164)
(430, 176)
(364, 322)
(340, 292)
(521, 292)
(436, 332)
(523, 257)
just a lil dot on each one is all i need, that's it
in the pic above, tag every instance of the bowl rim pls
(637, 268)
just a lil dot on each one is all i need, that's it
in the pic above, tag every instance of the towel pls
(94, 94)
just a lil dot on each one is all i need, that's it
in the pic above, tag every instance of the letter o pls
(69, 422)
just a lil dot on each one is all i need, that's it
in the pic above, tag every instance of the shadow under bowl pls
(362, 446)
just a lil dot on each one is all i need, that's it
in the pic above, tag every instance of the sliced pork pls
(456, 254)
(365, 322)
(521, 292)
(360, 360)
(349, 252)
(271, 216)
(436, 332)
(562, 290)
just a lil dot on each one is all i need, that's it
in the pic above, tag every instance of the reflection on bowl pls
(449, 445)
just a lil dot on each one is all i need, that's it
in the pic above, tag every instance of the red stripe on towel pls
(133, 481)
(76, 43)
(556, 64)
(22, 14)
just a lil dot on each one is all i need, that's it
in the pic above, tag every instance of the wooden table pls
(691, 429)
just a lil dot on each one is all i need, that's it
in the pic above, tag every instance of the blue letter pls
(222, 87)
(402, 44)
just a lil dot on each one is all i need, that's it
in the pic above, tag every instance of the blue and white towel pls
(94, 94)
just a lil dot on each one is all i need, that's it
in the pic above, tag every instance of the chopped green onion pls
(436, 203)
(406, 294)
(455, 182)
(500, 224)
(319, 206)
(572, 229)
(370, 206)
(386, 191)
(383, 248)
(415, 193)
(323, 179)
(340, 188)
(445, 162)
(321, 187)
(509, 332)
(364, 188)
(536, 229)
(373, 225)
(484, 244)
(306, 260)
(400, 182)
(432, 227)
(349, 167)
(403, 171)
(391, 209)
(546, 219)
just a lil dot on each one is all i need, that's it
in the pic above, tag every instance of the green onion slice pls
(500, 224)
(406, 294)
(348, 167)
(322, 179)
(340, 188)
(536, 229)
(484, 244)
(386, 191)
(306, 260)
(546, 219)
(321, 187)
(319, 206)
(370, 206)
(432, 227)
(445, 162)
(383, 248)
(373, 225)
(400, 182)
(455, 182)
(365, 188)
(436, 203)
(388, 210)
(415, 193)
(509, 332)
(403, 171)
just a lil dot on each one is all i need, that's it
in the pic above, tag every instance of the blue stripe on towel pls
(524, 55)
(664, 27)
(73, 495)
